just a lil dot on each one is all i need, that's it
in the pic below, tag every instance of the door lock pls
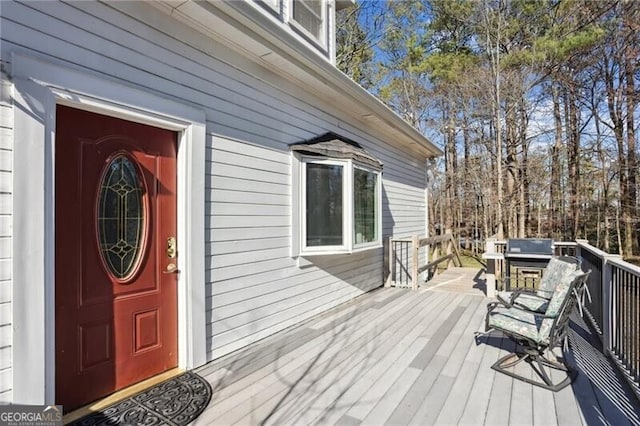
(171, 247)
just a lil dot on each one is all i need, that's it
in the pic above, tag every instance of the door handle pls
(171, 268)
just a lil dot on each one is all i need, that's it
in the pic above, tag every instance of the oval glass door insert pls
(121, 217)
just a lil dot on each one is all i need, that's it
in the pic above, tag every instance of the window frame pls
(323, 40)
(299, 222)
(378, 211)
(273, 6)
(303, 203)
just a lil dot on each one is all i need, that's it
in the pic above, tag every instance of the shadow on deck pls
(396, 356)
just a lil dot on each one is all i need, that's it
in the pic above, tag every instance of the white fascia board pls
(261, 38)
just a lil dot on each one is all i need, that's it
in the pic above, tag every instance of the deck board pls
(398, 356)
(450, 412)
(335, 383)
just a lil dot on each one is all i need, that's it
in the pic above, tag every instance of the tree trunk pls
(630, 16)
(524, 228)
(573, 155)
(556, 166)
(615, 113)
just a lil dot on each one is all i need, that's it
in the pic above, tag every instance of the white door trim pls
(40, 85)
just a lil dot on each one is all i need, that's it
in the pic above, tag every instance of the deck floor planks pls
(335, 393)
(293, 363)
(393, 363)
(567, 411)
(521, 412)
(377, 391)
(349, 355)
(401, 328)
(450, 413)
(545, 409)
(448, 336)
(344, 398)
(443, 388)
(423, 321)
(500, 401)
(391, 356)
(430, 364)
(475, 408)
(232, 395)
(385, 385)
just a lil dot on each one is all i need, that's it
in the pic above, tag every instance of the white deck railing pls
(613, 308)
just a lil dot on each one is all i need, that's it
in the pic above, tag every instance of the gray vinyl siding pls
(6, 167)
(253, 285)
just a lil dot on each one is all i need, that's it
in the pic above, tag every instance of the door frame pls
(39, 86)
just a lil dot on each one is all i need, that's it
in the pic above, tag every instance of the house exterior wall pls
(6, 189)
(253, 285)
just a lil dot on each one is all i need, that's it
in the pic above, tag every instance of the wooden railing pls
(410, 258)
(613, 305)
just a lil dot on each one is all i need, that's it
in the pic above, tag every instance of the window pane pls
(308, 13)
(324, 205)
(120, 216)
(365, 200)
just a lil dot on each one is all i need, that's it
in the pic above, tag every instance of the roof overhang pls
(335, 146)
(259, 37)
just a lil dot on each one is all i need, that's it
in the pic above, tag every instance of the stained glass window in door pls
(121, 216)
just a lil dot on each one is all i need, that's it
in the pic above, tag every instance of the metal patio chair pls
(538, 333)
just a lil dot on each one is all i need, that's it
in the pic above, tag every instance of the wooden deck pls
(396, 356)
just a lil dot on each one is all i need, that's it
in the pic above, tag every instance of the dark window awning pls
(335, 146)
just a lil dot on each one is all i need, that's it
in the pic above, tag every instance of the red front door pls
(116, 280)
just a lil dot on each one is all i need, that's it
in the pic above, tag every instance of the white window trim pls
(39, 87)
(346, 185)
(273, 6)
(320, 42)
(378, 242)
(299, 220)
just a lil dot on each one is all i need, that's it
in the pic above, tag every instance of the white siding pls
(6, 167)
(253, 285)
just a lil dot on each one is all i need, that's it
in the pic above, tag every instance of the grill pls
(528, 257)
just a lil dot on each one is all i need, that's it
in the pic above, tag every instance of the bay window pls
(337, 199)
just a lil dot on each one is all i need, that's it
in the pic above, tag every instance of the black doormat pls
(177, 401)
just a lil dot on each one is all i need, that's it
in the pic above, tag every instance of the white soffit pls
(259, 36)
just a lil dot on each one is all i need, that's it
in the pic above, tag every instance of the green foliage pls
(553, 49)
(448, 67)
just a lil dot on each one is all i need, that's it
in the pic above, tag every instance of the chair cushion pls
(557, 269)
(530, 302)
(516, 321)
(560, 293)
(559, 296)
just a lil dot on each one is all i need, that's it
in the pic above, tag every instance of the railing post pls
(490, 275)
(606, 277)
(415, 256)
(607, 308)
(390, 263)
